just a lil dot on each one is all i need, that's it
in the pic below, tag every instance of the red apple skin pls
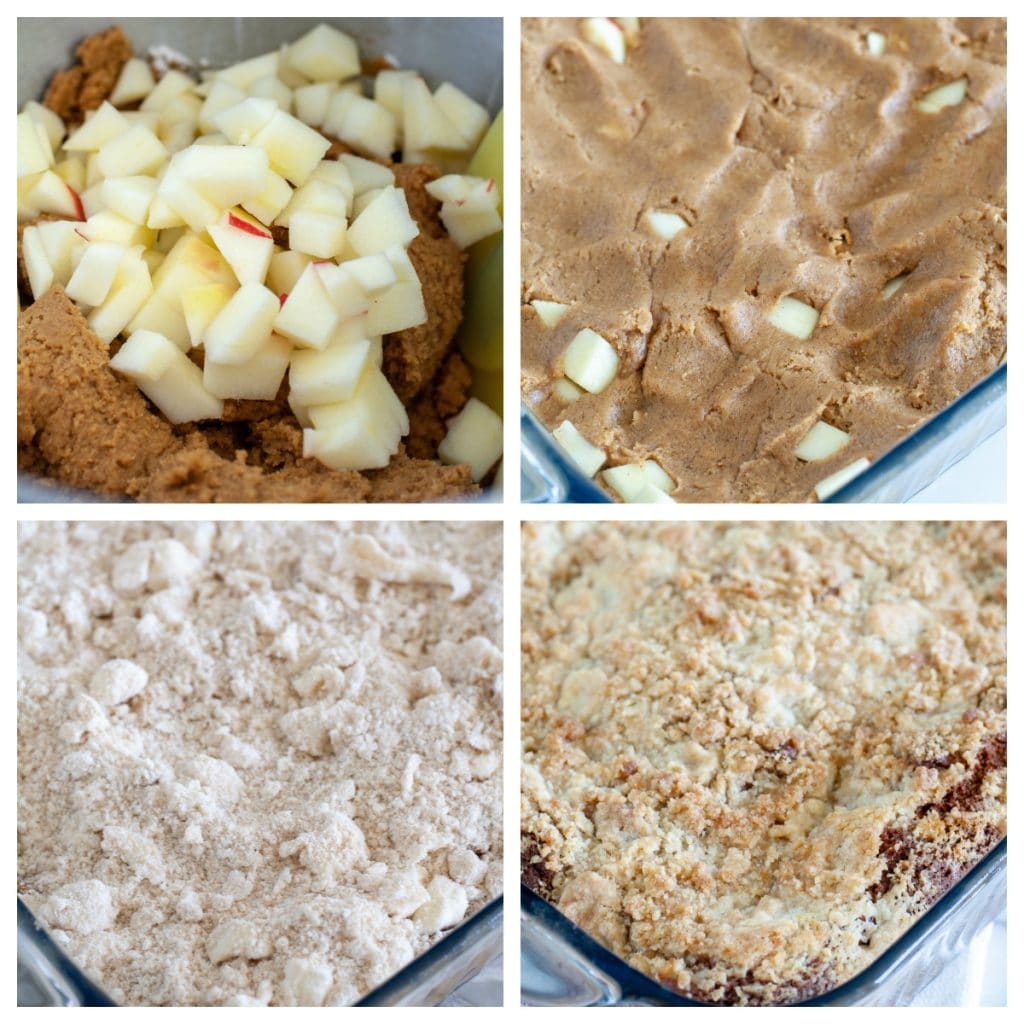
(283, 297)
(244, 225)
(81, 235)
(615, 25)
(490, 185)
(77, 200)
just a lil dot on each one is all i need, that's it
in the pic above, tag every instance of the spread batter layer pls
(803, 166)
(754, 754)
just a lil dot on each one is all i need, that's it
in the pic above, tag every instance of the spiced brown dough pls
(803, 168)
(82, 425)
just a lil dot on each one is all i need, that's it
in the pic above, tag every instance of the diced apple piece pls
(424, 123)
(369, 127)
(129, 292)
(244, 121)
(588, 458)
(318, 234)
(51, 122)
(285, 269)
(794, 317)
(466, 227)
(130, 197)
(893, 285)
(60, 240)
(311, 102)
(325, 55)
(363, 200)
(374, 273)
(335, 174)
(948, 95)
(272, 88)
(821, 442)
(605, 35)
(135, 82)
(657, 477)
(173, 84)
(225, 175)
(271, 200)
(72, 171)
(148, 118)
(101, 127)
(330, 375)
(664, 224)
(876, 44)
(566, 390)
(384, 223)
(366, 174)
(177, 137)
(161, 217)
(488, 161)
(167, 377)
(136, 151)
(308, 317)
(387, 91)
(337, 106)
(245, 245)
(345, 292)
(243, 326)
(294, 148)
(37, 265)
(550, 313)
(222, 96)
(389, 421)
(826, 488)
(590, 361)
(257, 378)
(396, 309)
(630, 29)
(474, 439)
(243, 74)
(627, 481)
(51, 194)
(107, 226)
(468, 116)
(316, 196)
(35, 154)
(94, 275)
(200, 305)
(162, 313)
(178, 193)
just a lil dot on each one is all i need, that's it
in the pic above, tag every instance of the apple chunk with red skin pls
(246, 245)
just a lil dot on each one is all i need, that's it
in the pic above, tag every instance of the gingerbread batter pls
(802, 167)
(82, 425)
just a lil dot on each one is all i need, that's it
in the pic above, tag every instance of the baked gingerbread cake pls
(754, 754)
(686, 181)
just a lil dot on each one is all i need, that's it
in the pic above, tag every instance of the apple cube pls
(35, 154)
(590, 361)
(136, 151)
(72, 171)
(337, 106)
(948, 95)
(294, 148)
(129, 197)
(102, 126)
(148, 118)
(657, 477)
(107, 226)
(257, 378)
(474, 438)
(325, 55)
(308, 317)
(243, 74)
(588, 458)
(50, 121)
(285, 269)
(167, 377)
(162, 314)
(181, 196)
(876, 44)
(272, 88)
(317, 234)
(172, 85)
(222, 96)
(346, 293)
(330, 375)
(550, 313)
(893, 285)
(366, 174)
(311, 102)
(37, 265)
(465, 227)
(564, 389)
(384, 223)
(200, 305)
(605, 35)
(396, 309)
(315, 196)
(821, 442)
(51, 194)
(243, 326)
(331, 172)
(94, 275)
(369, 127)
(225, 175)
(424, 123)
(628, 481)
(244, 121)
(826, 488)
(468, 116)
(664, 224)
(161, 217)
(390, 420)
(387, 91)
(245, 245)
(267, 205)
(374, 273)
(794, 317)
(60, 240)
(135, 82)
(129, 292)
(363, 200)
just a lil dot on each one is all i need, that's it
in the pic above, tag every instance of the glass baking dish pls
(472, 60)
(562, 966)
(47, 977)
(917, 461)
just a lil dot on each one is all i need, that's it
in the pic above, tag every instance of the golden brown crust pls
(755, 753)
(804, 169)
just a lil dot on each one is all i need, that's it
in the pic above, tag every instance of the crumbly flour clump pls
(257, 763)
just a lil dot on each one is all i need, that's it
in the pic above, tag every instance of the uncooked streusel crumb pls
(258, 763)
(755, 753)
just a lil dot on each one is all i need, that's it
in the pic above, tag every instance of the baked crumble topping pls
(754, 754)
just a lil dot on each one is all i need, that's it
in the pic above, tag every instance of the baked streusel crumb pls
(755, 753)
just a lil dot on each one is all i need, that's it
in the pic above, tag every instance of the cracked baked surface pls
(804, 169)
(754, 754)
